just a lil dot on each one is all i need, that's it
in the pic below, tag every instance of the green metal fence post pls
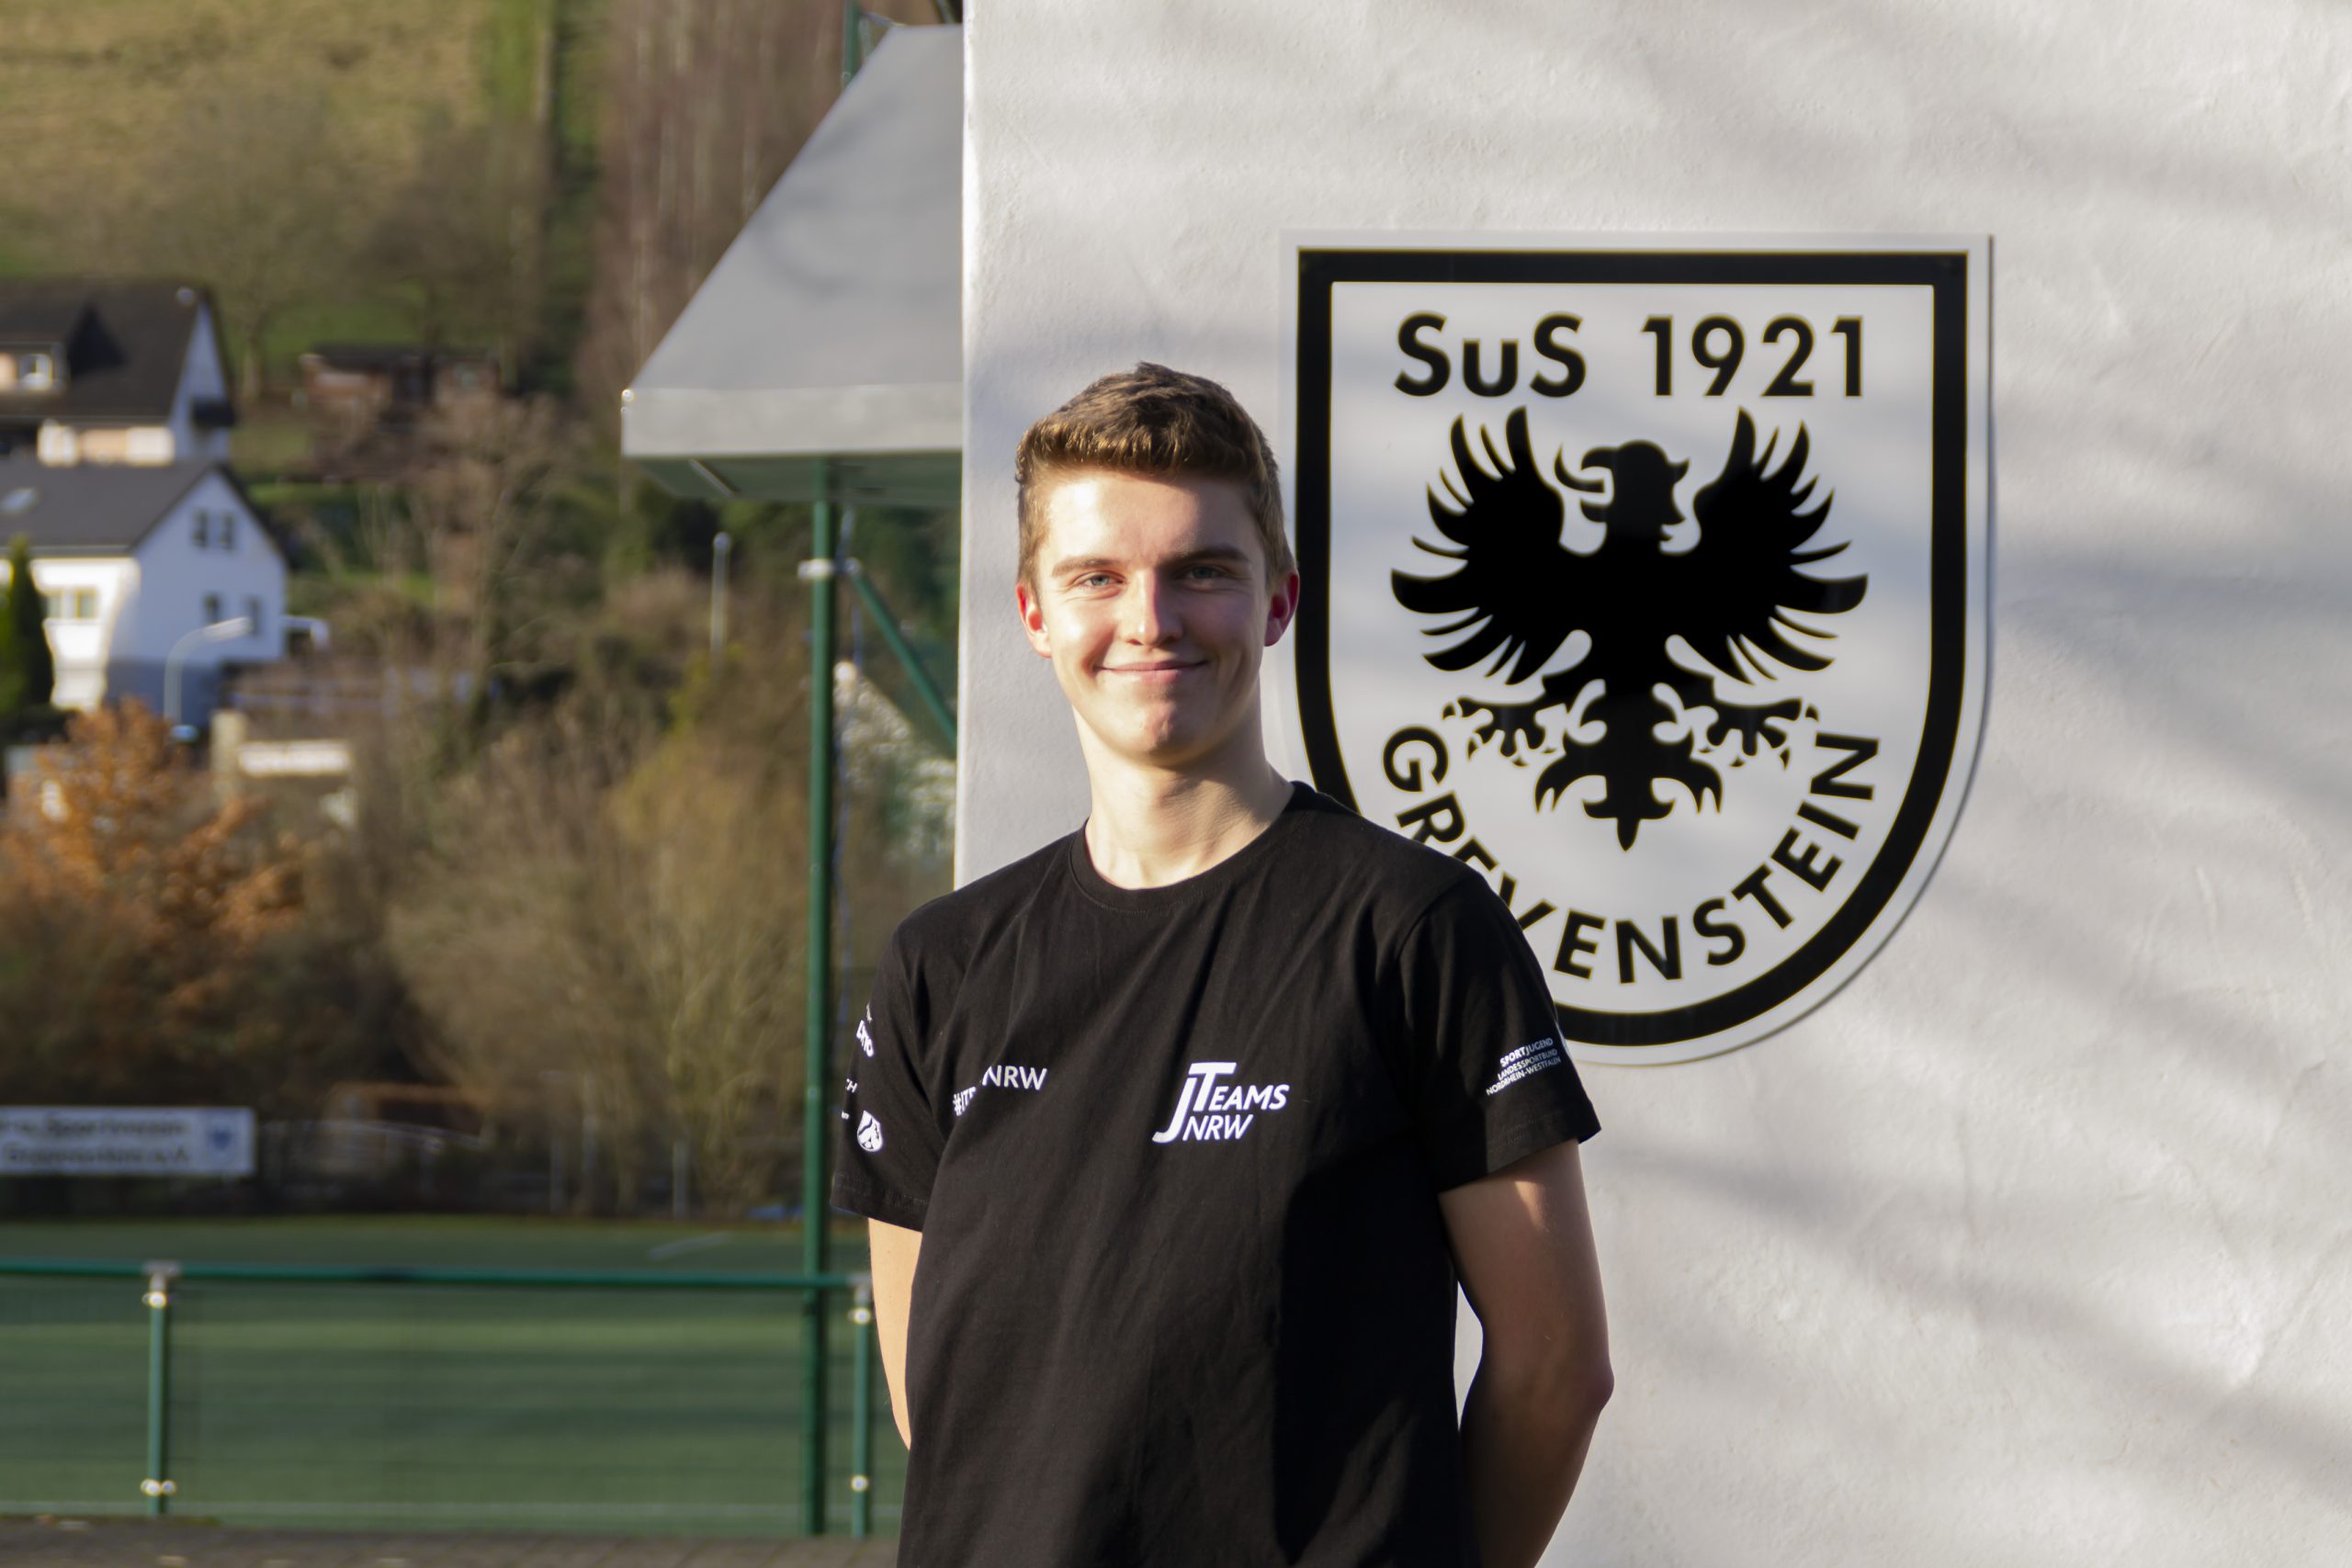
(860, 1421)
(160, 1281)
(158, 1482)
(909, 661)
(819, 570)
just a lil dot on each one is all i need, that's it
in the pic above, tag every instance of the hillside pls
(93, 91)
(268, 147)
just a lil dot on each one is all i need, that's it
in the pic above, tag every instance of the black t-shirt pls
(1185, 1297)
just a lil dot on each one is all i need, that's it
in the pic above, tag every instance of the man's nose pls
(1151, 608)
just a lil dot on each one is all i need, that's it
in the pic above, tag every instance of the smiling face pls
(1149, 595)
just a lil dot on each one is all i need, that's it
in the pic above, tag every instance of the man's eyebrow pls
(1095, 563)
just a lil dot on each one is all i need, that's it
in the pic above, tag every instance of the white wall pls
(2031, 1246)
(165, 602)
(79, 648)
(201, 376)
(176, 573)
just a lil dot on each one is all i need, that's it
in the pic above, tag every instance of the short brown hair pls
(1158, 422)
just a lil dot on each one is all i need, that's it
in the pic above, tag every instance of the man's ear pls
(1032, 619)
(1281, 608)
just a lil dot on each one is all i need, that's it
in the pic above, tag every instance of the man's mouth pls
(1154, 667)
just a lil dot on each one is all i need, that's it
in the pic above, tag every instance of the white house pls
(114, 431)
(133, 559)
(111, 373)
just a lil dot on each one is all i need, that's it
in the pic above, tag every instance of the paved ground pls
(178, 1544)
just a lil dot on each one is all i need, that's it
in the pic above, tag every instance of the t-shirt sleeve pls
(1486, 1072)
(890, 1139)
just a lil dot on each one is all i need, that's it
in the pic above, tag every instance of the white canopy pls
(831, 329)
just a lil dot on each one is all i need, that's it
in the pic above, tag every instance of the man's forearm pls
(894, 1254)
(1523, 1443)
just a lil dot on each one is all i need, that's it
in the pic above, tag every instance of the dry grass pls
(89, 88)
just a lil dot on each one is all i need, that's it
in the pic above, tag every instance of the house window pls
(72, 604)
(227, 530)
(212, 609)
(36, 372)
(203, 529)
(252, 616)
(104, 445)
(148, 446)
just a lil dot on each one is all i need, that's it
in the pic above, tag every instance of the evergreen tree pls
(27, 671)
(12, 672)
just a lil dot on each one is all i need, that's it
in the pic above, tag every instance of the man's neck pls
(1150, 828)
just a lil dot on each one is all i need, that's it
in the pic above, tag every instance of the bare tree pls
(612, 917)
(251, 196)
(608, 927)
(706, 103)
(504, 938)
(459, 241)
(487, 482)
(717, 925)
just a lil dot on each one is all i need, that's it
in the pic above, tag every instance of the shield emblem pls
(1650, 580)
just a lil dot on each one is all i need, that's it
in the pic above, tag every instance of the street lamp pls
(720, 548)
(318, 629)
(219, 631)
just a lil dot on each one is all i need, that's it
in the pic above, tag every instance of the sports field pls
(671, 1411)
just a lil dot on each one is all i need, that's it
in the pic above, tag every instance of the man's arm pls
(1522, 1243)
(893, 1250)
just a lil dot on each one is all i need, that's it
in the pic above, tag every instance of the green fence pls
(419, 1397)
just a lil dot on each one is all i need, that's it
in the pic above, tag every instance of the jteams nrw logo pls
(1207, 1110)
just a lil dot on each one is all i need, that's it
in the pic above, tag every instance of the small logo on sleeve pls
(1207, 1110)
(864, 1033)
(869, 1133)
(963, 1101)
(1525, 1063)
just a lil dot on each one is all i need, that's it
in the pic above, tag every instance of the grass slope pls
(94, 95)
(90, 90)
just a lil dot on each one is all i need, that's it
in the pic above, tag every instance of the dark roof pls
(125, 345)
(96, 509)
(37, 321)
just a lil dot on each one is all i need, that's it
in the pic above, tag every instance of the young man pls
(1176, 1135)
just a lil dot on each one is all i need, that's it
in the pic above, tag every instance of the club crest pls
(1651, 584)
(1731, 597)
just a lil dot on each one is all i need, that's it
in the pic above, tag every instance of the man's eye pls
(1209, 571)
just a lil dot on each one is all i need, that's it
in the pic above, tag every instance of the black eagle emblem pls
(1520, 594)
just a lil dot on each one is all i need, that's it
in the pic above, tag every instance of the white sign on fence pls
(71, 1140)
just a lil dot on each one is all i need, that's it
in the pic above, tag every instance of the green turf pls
(425, 1405)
